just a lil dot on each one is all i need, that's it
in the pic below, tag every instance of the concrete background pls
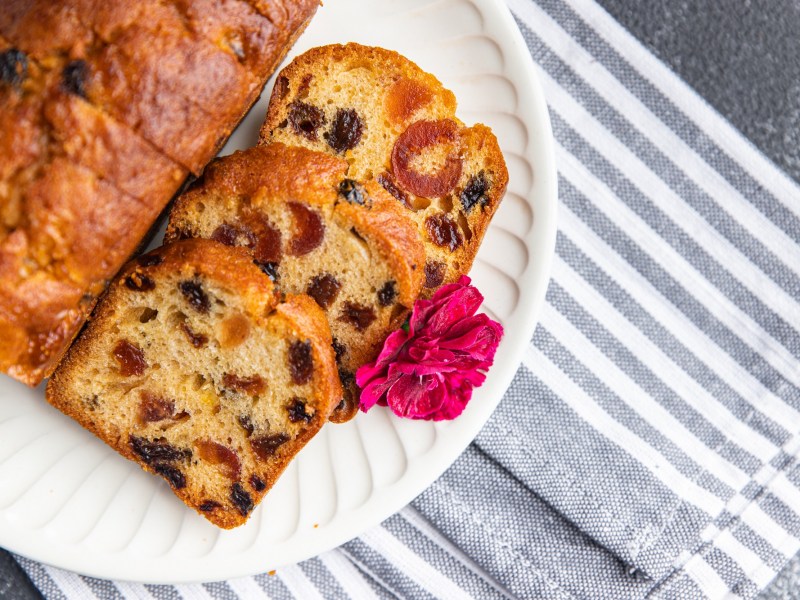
(743, 56)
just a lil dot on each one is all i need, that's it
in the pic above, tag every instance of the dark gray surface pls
(743, 56)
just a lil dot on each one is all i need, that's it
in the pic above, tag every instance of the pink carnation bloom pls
(429, 372)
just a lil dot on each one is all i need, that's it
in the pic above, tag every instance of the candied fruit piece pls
(281, 87)
(198, 340)
(346, 130)
(390, 185)
(257, 483)
(405, 97)
(209, 505)
(130, 358)
(305, 119)
(74, 76)
(234, 330)
(357, 315)
(241, 499)
(387, 294)
(157, 451)
(246, 423)
(220, 456)
(139, 282)
(195, 296)
(351, 191)
(232, 235)
(434, 273)
(301, 362)
(443, 231)
(412, 143)
(339, 349)
(13, 67)
(265, 446)
(324, 289)
(475, 192)
(153, 408)
(297, 411)
(173, 475)
(251, 386)
(309, 230)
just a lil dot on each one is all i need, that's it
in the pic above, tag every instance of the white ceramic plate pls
(69, 501)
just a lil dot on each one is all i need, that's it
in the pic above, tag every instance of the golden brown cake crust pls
(87, 384)
(238, 192)
(395, 124)
(127, 97)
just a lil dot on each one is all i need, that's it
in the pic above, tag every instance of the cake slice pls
(350, 247)
(396, 124)
(194, 368)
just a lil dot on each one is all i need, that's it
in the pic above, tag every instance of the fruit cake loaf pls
(98, 128)
(350, 247)
(396, 124)
(192, 367)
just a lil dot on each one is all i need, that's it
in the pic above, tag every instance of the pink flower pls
(429, 372)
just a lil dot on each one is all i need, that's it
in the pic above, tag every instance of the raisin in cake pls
(396, 124)
(104, 109)
(194, 368)
(350, 247)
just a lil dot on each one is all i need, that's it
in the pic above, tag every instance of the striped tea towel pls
(648, 445)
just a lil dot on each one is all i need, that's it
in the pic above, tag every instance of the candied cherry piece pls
(443, 231)
(357, 315)
(346, 130)
(220, 456)
(309, 230)
(412, 143)
(434, 273)
(130, 358)
(265, 446)
(305, 119)
(266, 239)
(74, 76)
(241, 499)
(475, 192)
(232, 234)
(154, 408)
(324, 289)
(195, 296)
(405, 97)
(251, 386)
(301, 362)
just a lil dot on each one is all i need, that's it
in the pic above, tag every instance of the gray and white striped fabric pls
(648, 445)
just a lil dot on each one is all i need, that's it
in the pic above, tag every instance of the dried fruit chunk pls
(130, 358)
(74, 76)
(173, 475)
(390, 185)
(357, 315)
(198, 340)
(195, 296)
(234, 330)
(324, 289)
(412, 143)
(246, 423)
(13, 66)
(233, 235)
(241, 499)
(387, 294)
(309, 230)
(297, 411)
(406, 97)
(252, 385)
(150, 260)
(351, 191)
(157, 451)
(346, 130)
(257, 483)
(434, 273)
(220, 456)
(209, 505)
(475, 192)
(301, 362)
(139, 282)
(339, 349)
(305, 119)
(443, 231)
(270, 269)
(265, 446)
(154, 408)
